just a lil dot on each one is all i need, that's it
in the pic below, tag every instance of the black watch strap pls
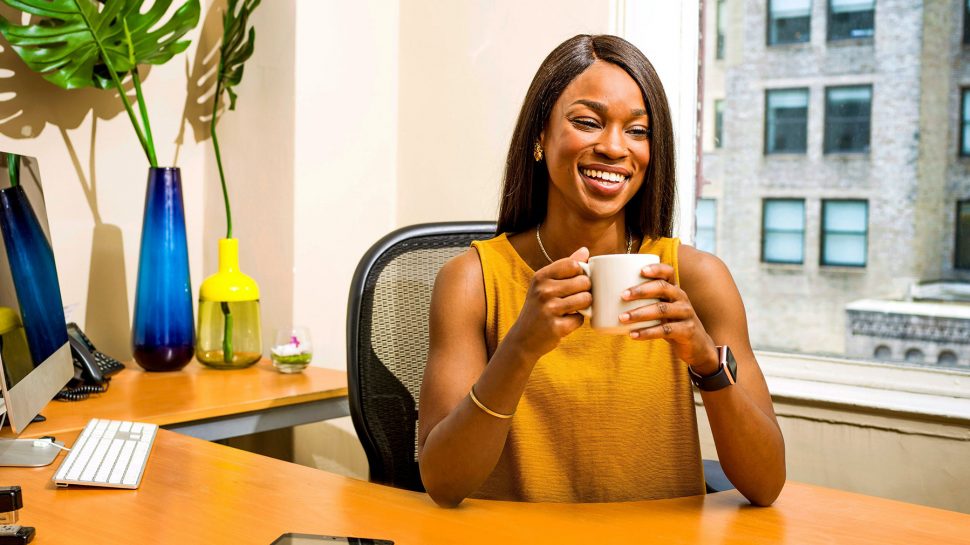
(726, 375)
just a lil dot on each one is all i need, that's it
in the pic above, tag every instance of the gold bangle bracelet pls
(482, 406)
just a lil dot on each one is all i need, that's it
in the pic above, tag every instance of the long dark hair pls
(525, 190)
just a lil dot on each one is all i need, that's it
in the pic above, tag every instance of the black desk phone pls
(92, 369)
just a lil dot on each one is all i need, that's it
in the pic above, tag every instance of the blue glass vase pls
(163, 332)
(34, 274)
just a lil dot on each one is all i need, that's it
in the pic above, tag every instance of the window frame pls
(808, 99)
(764, 229)
(823, 232)
(828, 25)
(768, 22)
(958, 239)
(826, 121)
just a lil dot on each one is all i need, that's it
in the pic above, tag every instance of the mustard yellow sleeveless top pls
(603, 417)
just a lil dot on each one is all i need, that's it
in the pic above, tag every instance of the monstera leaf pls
(237, 45)
(70, 39)
(81, 43)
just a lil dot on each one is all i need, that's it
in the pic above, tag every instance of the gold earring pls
(537, 152)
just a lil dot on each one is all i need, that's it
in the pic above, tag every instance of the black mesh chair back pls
(387, 340)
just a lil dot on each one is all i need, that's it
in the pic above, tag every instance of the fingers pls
(565, 268)
(666, 330)
(661, 310)
(658, 288)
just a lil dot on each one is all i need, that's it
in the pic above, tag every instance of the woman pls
(590, 171)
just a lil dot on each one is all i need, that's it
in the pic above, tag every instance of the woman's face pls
(596, 143)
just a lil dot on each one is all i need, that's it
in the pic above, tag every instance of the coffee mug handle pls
(587, 270)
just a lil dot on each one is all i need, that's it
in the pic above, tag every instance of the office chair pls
(387, 345)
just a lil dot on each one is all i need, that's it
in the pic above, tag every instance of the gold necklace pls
(629, 243)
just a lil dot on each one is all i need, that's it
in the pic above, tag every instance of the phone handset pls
(92, 369)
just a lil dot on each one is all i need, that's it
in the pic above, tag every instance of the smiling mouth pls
(602, 176)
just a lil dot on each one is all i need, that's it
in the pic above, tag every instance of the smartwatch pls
(726, 375)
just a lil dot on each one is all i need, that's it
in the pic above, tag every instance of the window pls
(706, 221)
(965, 122)
(844, 232)
(883, 352)
(850, 19)
(719, 123)
(789, 21)
(783, 231)
(966, 19)
(962, 253)
(914, 355)
(721, 14)
(947, 357)
(786, 120)
(847, 119)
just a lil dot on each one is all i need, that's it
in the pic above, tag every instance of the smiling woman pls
(519, 401)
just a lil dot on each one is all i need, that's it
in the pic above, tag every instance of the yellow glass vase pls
(229, 335)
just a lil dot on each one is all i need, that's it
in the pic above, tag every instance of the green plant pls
(237, 47)
(13, 169)
(80, 43)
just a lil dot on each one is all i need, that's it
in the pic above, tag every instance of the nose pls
(610, 143)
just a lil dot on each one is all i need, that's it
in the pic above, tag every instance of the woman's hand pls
(679, 324)
(557, 293)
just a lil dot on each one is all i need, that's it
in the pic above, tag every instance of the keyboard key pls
(109, 460)
(122, 464)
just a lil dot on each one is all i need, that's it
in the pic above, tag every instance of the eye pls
(639, 132)
(585, 123)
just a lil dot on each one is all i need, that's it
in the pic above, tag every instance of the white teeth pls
(612, 177)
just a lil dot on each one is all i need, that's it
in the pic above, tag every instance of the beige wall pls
(870, 452)
(465, 68)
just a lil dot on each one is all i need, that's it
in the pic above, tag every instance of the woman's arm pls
(459, 443)
(705, 311)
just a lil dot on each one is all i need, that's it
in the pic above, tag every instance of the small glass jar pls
(292, 349)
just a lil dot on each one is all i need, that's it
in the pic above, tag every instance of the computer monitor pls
(35, 357)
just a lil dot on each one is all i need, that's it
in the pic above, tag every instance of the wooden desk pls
(206, 403)
(199, 492)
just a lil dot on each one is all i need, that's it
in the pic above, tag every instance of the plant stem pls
(13, 167)
(144, 114)
(121, 89)
(215, 145)
(227, 333)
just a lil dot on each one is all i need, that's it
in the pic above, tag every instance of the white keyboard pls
(109, 453)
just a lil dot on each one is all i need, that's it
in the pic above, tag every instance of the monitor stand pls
(24, 452)
(27, 452)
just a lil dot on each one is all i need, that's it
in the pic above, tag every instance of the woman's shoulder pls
(701, 269)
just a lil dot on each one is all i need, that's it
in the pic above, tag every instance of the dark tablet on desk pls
(311, 539)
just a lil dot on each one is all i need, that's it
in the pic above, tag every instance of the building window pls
(914, 355)
(883, 352)
(962, 254)
(783, 231)
(706, 218)
(844, 232)
(947, 357)
(721, 31)
(965, 122)
(789, 21)
(966, 21)
(847, 119)
(719, 123)
(786, 120)
(850, 19)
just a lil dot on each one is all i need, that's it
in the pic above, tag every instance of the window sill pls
(850, 42)
(937, 399)
(783, 267)
(786, 155)
(846, 155)
(842, 269)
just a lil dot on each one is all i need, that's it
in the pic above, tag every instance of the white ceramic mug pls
(611, 275)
